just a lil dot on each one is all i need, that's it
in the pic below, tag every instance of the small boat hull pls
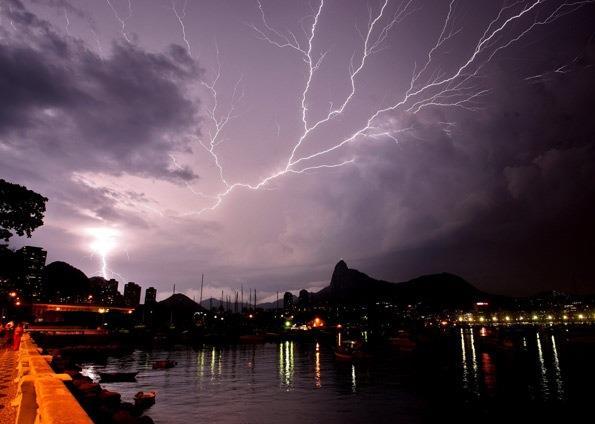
(252, 339)
(343, 356)
(164, 364)
(145, 399)
(108, 377)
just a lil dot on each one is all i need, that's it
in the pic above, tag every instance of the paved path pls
(8, 362)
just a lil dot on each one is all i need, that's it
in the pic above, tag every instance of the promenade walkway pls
(40, 394)
(8, 388)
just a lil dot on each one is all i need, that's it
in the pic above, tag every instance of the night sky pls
(165, 131)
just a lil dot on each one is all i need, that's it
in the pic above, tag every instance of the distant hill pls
(178, 310)
(435, 291)
(215, 303)
(62, 281)
(180, 302)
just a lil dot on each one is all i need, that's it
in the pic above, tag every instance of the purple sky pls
(168, 129)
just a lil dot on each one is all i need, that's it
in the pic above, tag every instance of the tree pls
(21, 210)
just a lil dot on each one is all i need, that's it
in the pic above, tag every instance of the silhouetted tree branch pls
(21, 210)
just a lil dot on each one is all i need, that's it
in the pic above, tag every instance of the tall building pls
(132, 294)
(33, 261)
(288, 301)
(150, 296)
(105, 292)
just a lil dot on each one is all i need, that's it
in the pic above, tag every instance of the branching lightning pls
(180, 17)
(67, 19)
(429, 86)
(122, 20)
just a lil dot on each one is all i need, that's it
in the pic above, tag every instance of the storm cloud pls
(502, 194)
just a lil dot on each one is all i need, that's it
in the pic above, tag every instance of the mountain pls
(350, 286)
(207, 303)
(177, 310)
(180, 302)
(63, 282)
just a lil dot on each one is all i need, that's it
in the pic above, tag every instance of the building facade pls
(31, 280)
(151, 296)
(132, 294)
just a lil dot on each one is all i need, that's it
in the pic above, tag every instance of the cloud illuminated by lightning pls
(429, 86)
(104, 241)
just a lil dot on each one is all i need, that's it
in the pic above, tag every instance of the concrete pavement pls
(8, 388)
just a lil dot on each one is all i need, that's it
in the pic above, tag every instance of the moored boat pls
(252, 338)
(350, 351)
(114, 377)
(402, 341)
(164, 364)
(145, 399)
(343, 355)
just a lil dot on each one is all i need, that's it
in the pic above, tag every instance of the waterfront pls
(461, 377)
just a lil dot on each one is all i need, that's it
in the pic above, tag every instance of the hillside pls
(443, 290)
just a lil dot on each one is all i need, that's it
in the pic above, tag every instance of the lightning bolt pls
(122, 20)
(180, 17)
(67, 21)
(429, 86)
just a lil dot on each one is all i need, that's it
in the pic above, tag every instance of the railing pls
(42, 397)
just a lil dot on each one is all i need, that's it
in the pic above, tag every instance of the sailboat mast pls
(202, 280)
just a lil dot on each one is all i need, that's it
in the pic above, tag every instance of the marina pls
(462, 376)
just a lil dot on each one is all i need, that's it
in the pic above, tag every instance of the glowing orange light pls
(12, 294)
(317, 322)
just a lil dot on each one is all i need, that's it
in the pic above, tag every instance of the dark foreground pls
(466, 375)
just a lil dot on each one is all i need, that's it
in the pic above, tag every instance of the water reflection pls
(286, 364)
(317, 374)
(557, 371)
(470, 366)
(488, 370)
(542, 380)
(465, 378)
(201, 364)
(222, 384)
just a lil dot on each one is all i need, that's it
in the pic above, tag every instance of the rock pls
(89, 387)
(123, 417)
(110, 398)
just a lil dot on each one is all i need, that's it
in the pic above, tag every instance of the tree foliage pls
(21, 210)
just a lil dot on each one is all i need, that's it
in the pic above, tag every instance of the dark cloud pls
(120, 114)
(506, 198)
(503, 196)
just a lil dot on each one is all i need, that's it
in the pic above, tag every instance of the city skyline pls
(105, 116)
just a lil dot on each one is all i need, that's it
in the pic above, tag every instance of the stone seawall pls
(42, 397)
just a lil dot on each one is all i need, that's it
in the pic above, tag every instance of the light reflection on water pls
(302, 382)
(481, 381)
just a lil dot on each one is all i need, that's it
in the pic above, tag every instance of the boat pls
(145, 399)
(350, 351)
(252, 338)
(164, 364)
(403, 342)
(343, 355)
(114, 377)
